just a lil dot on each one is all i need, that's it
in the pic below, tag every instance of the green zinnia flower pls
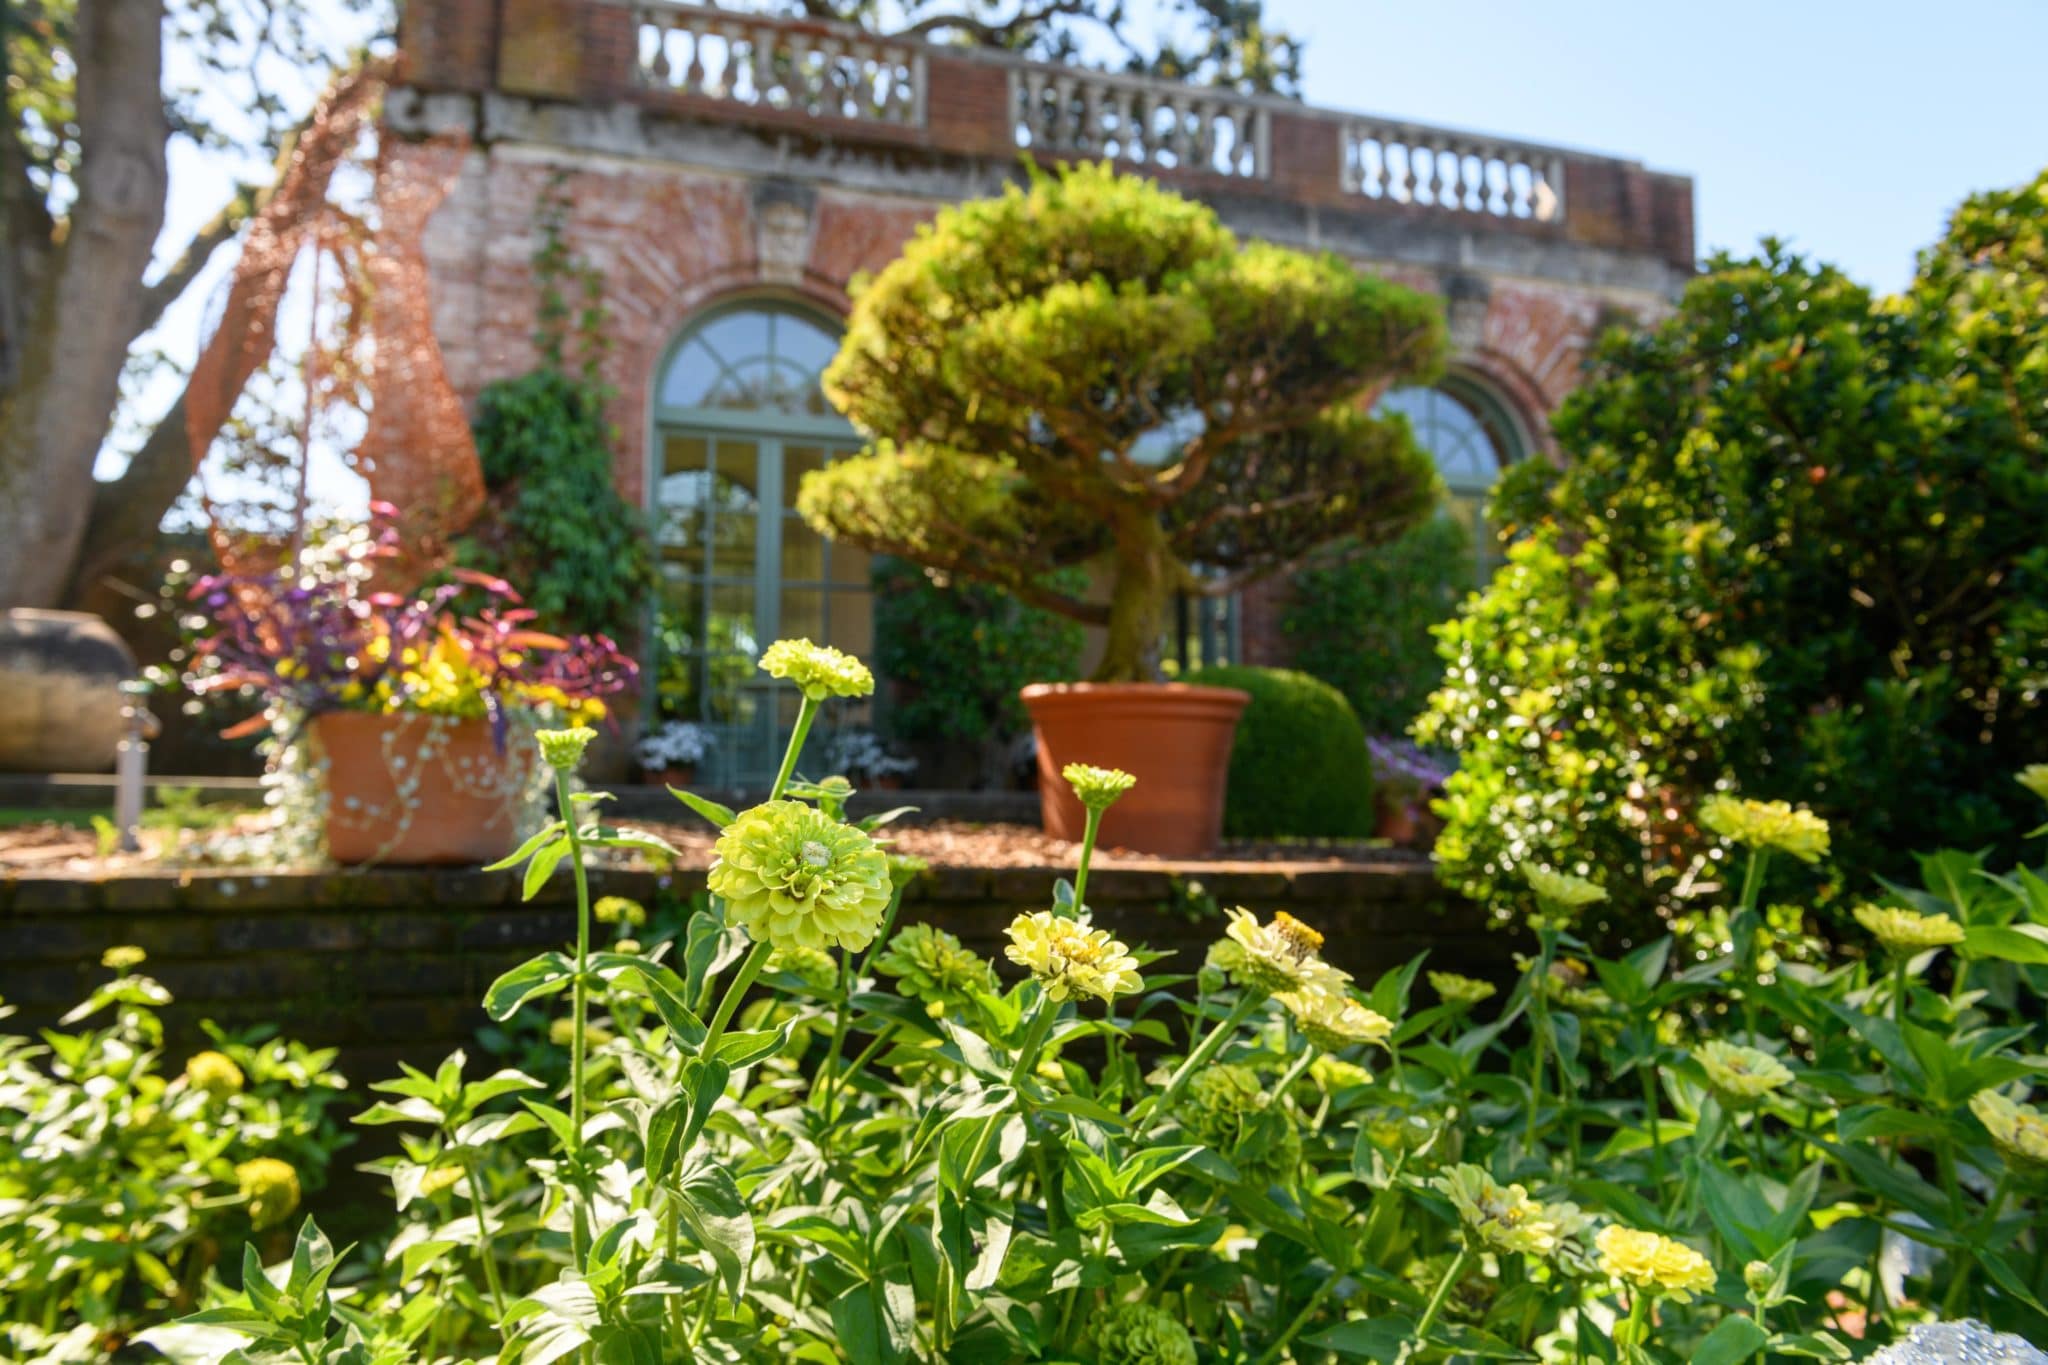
(930, 965)
(1141, 1334)
(1453, 989)
(1227, 1109)
(1906, 932)
(820, 670)
(790, 875)
(813, 966)
(1561, 891)
(123, 956)
(1741, 1075)
(562, 750)
(1504, 1216)
(1767, 825)
(619, 910)
(1098, 788)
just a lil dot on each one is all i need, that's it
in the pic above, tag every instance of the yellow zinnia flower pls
(1741, 1074)
(1765, 825)
(562, 750)
(1332, 1022)
(1502, 1216)
(1070, 959)
(1654, 1263)
(2020, 1131)
(215, 1073)
(1285, 955)
(1906, 932)
(123, 956)
(271, 1189)
(820, 670)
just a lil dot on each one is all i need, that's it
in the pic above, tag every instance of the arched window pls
(739, 419)
(1472, 438)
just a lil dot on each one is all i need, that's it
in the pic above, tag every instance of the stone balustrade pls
(1402, 163)
(816, 70)
(1151, 125)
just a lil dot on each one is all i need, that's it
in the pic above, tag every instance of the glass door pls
(739, 569)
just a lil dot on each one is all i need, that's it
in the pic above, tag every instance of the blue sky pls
(1850, 128)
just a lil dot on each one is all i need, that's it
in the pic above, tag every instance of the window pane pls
(798, 461)
(852, 624)
(691, 374)
(681, 496)
(735, 523)
(803, 614)
(850, 564)
(803, 552)
(731, 628)
(737, 336)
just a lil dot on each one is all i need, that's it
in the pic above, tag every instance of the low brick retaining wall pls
(392, 963)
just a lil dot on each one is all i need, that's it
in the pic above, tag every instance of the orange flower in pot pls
(1094, 371)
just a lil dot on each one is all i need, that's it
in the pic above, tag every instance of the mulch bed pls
(67, 851)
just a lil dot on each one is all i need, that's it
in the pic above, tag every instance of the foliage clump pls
(956, 652)
(1094, 369)
(1298, 767)
(1798, 538)
(1363, 618)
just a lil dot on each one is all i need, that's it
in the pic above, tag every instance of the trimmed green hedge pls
(1299, 767)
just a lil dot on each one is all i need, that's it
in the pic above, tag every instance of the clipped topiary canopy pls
(1094, 368)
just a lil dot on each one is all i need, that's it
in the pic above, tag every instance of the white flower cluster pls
(862, 753)
(675, 744)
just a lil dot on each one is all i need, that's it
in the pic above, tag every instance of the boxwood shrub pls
(1299, 766)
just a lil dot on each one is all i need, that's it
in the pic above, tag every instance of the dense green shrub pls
(122, 1186)
(1361, 620)
(1799, 539)
(557, 528)
(1299, 767)
(956, 652)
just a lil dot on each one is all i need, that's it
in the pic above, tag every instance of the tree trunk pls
(1146, 575)
(76, 325)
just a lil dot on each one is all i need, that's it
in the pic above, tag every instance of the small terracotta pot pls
(1174, 738)
(413, 789)
(1398, 823)
(681, 776)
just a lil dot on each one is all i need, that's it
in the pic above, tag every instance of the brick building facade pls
(729, 176)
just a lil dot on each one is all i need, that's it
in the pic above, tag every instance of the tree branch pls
(126, 511)
(991, 33)
(218, 231)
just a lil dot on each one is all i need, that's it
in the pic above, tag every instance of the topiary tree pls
(1797, 545)
(1095, 369)
(1298, 767)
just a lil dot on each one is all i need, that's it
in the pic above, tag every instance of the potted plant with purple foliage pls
(1406, 778)
(403, 704)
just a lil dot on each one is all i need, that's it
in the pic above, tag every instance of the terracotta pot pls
(1398, 823)
(60, 691)
(1175, 739)
(681, 776)
(412, 789)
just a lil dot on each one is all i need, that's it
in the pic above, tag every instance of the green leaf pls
(1365, 1338)
(542, 867)
(533, 979)
(637, 840)
(875, 1321)
(1734, 1341)
(869, 824)
(716, 1213)
(2025, 943)
(526, 850)
(721, 816)
(738, 1050)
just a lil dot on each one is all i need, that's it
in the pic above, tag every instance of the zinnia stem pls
(1443, 1291)
(1246, 1003)
(1088, 836)
(806, 713)
(750, 968)
(579, 1231)
(483, 1237)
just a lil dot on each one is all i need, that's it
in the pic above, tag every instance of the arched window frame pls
(1511, 442)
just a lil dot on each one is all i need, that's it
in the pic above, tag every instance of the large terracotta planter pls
(60, 691)
(412, 789)
(1175, 739)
